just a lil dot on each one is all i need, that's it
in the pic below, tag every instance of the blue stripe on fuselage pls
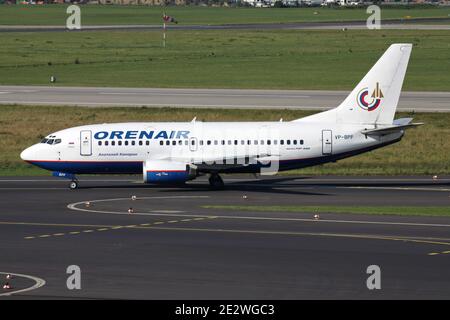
(92, 167)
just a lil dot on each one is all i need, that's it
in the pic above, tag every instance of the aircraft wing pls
(215, 163)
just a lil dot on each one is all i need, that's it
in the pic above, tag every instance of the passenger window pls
(174, 142)
(256, 142)
(301, 141)
(113, 143)
(133, 143)
(106, 143)
(288, 141)
(249, 142)
(193, 142)
(208, 142)
(160, 143)
(140, 142)
(275, 142)
(167, 143)
(294, 141)
(229, 142)
(235, 142)
(119, 143)
(99, 143)
(186, 142)
(268, 142)
(282, 142)
(180, 142)
(262, 142)
(242, 142)
(201, 142)
(126, 142)
(215, 142)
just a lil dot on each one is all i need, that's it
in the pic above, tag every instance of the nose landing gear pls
(215, 181)
(73, 184)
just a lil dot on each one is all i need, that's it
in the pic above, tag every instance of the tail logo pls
(371, 103)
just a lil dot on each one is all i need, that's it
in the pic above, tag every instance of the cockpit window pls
(50, 141)
(44, 140)
(57, 141)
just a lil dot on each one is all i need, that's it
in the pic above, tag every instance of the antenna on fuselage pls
(194, 119)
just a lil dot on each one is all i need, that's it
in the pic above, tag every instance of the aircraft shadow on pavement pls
(265, 186)
(283, 185)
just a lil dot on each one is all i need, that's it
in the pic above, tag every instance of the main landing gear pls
(215, 181)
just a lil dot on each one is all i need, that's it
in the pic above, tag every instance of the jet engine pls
(166, 171)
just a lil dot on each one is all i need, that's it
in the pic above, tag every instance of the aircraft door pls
(193, 144)
(86, 143)
(327, 142)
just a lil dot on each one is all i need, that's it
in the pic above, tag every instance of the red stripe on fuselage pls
(83, 161)
(166, 170)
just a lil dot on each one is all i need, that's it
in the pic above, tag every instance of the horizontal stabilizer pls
(398, 125)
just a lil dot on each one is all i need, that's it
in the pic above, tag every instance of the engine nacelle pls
(165, 171)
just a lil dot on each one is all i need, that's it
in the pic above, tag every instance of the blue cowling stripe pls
(167, 176)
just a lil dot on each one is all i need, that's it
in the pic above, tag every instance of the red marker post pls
(166, 19)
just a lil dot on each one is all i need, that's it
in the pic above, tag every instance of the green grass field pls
(191, 15)
(424, 150)
(327, 59)
(379, 210)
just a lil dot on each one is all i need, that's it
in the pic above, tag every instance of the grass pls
(189, 15)
(424, 150)
(398, 211)
(283, 59)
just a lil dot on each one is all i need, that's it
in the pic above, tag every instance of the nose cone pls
(26, 154)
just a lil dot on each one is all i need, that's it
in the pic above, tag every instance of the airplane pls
(176, 152)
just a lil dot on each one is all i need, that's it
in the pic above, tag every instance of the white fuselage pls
(211, 147)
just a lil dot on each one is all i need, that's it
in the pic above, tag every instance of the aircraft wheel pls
(216, 182)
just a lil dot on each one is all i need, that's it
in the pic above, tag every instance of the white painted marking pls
(39, 283)
(398, 188)
(215, 95)
(73, 206)
(175, 105)
(317, 234)
(166, 211)
(197, 105)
